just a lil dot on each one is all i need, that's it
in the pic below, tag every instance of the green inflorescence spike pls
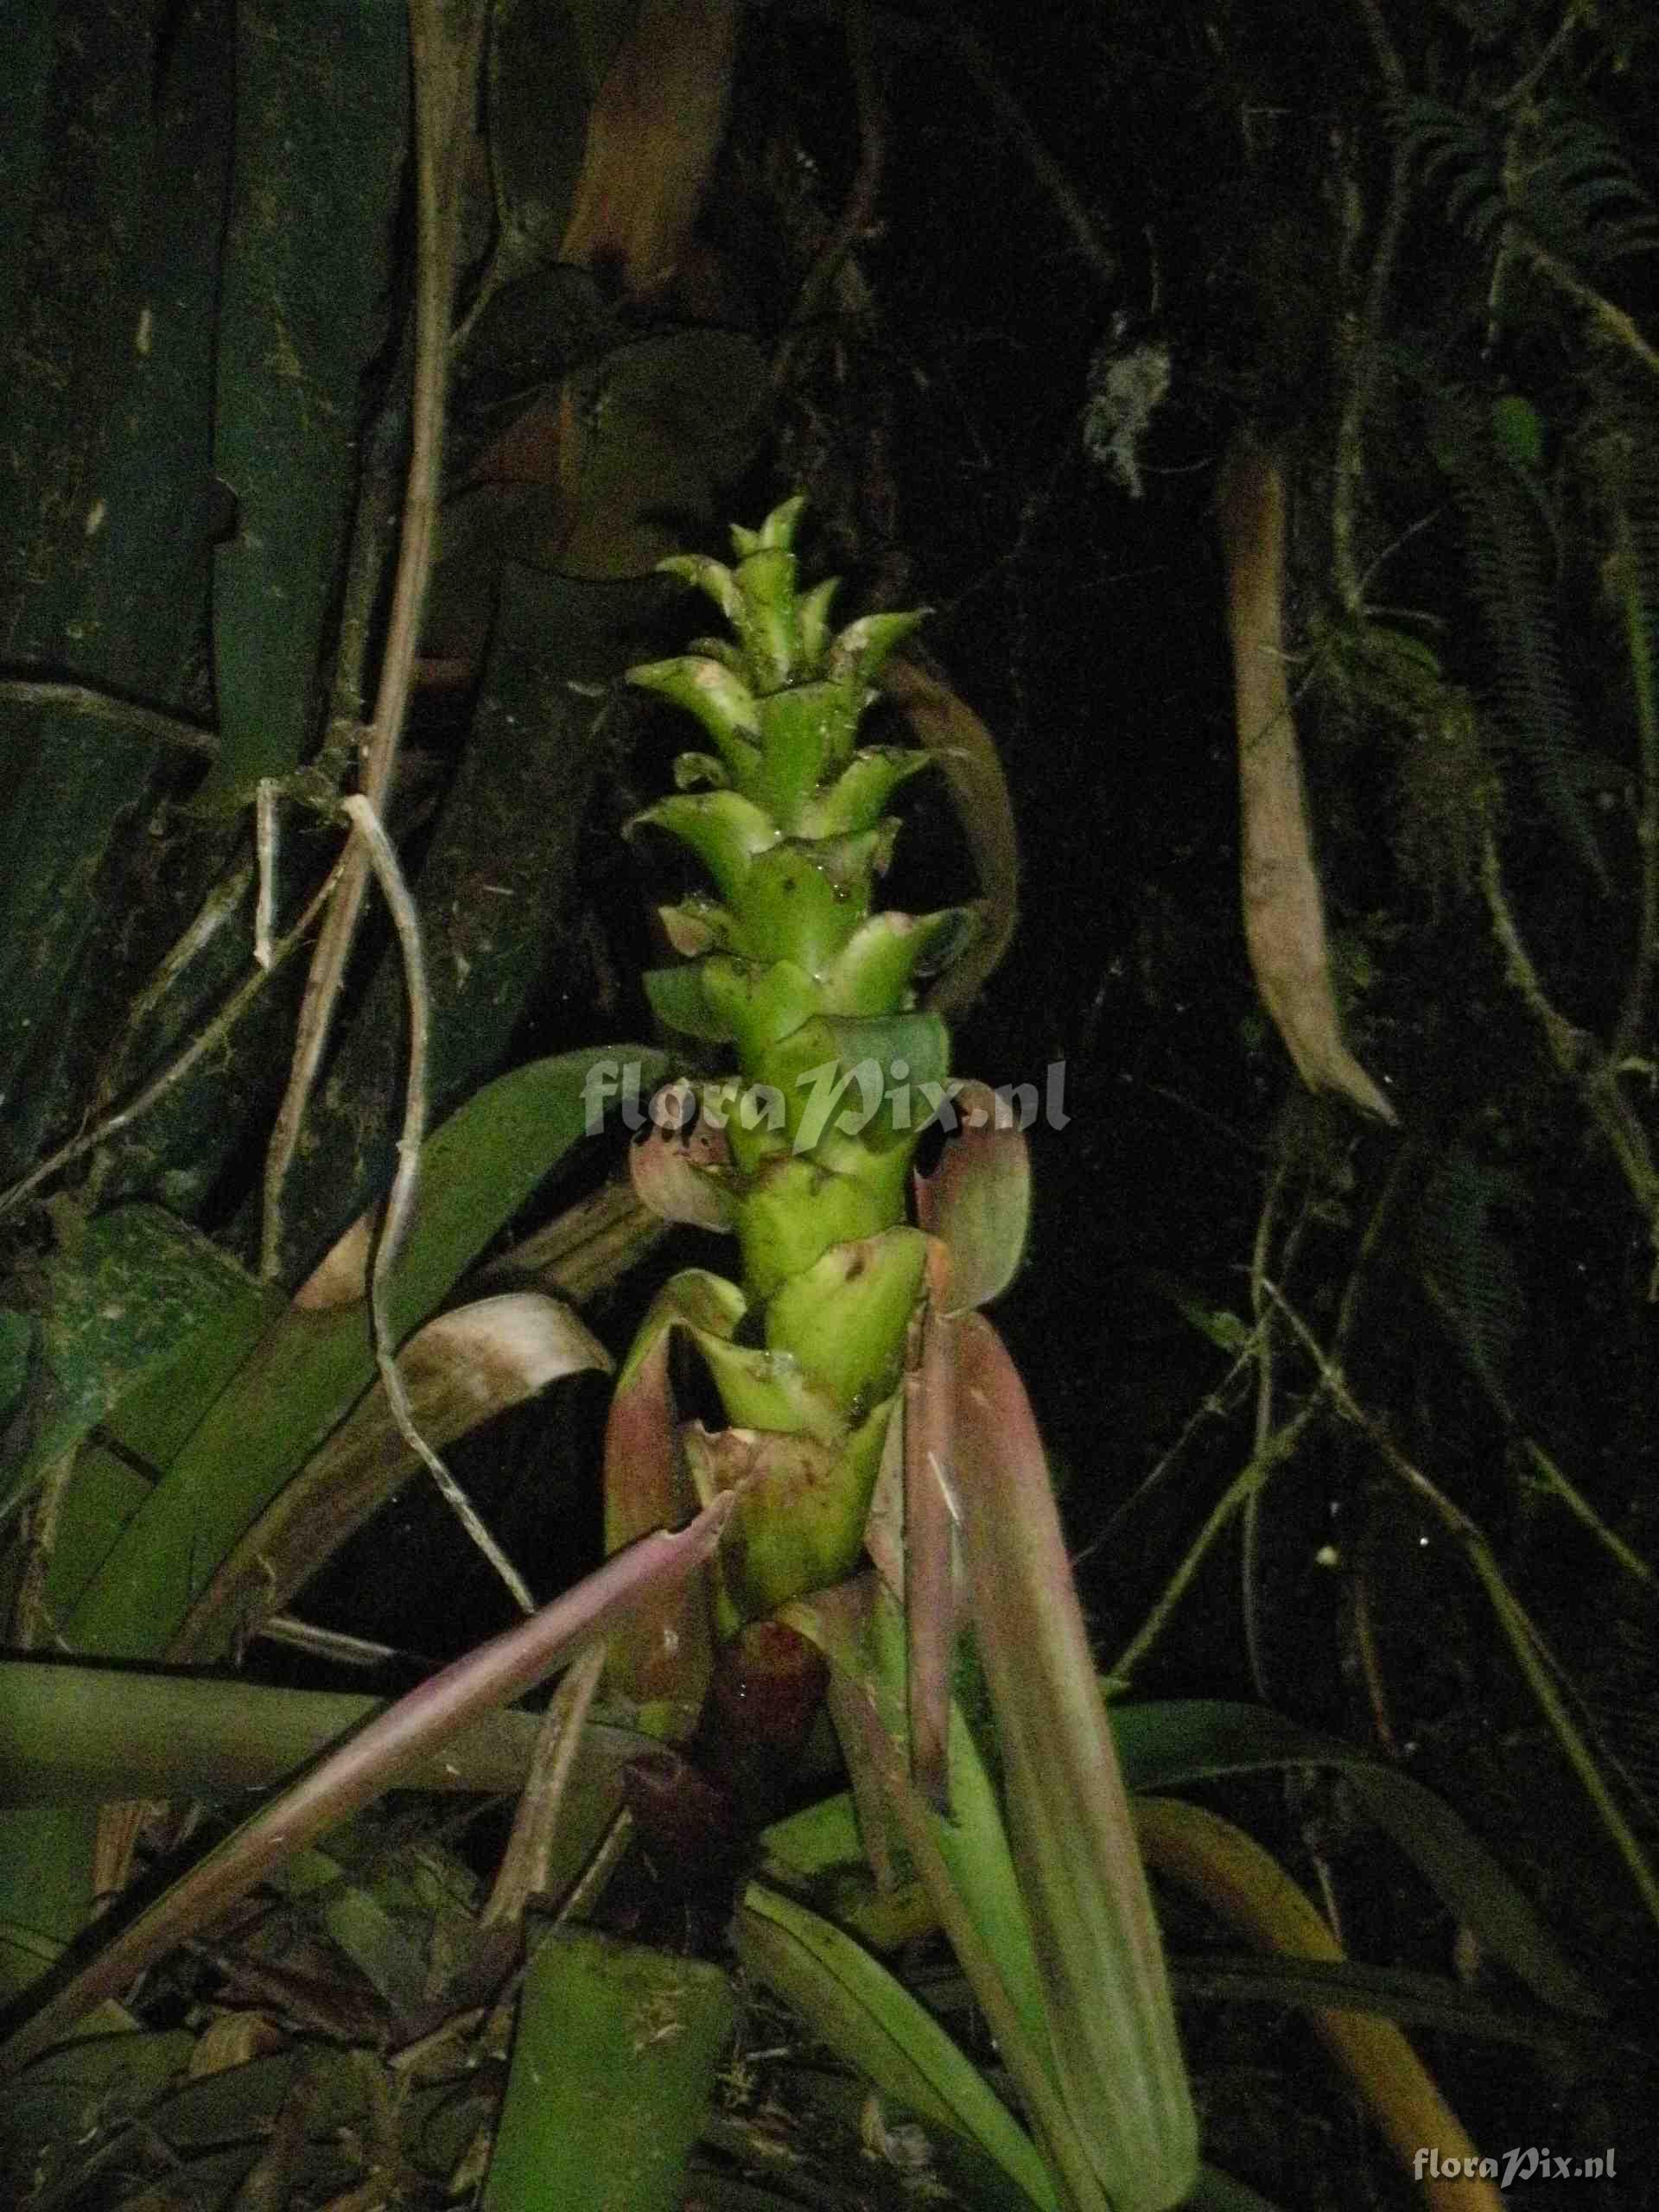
(792, 965)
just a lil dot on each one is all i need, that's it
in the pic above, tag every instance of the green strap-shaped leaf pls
(136, 1296)
(849, 1999)
(1188, 1740)
(311, 1368)
(305, 283)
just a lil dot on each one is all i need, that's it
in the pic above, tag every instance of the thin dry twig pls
(445, 43)
(174, 731)
(1545, 1675)
(264, 846)
(523, 1872)
(383, 859)
(1250, 1532)
(1365, 356)
(1618, 325)
(858, 210)
(217, 908)
(205, 1040)
(1067, 201)
(1271, 1445)
(1249, 1478)
(1576, 1053)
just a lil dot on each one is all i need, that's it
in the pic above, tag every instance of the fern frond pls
(1557, 179)
(1619, 448)
(1511, 559)
(1445, 146)
(1468, 1268)
(1579, 194)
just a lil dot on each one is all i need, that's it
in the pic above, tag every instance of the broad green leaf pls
(135, 1298)
(1238, 1879)
(301, 316)
(853, 2002)
(1164, 1745)
(819, 1854)
(46, 1888)
(312, 1365)
(109, 2074)
(304, 1375)
(108, 505)
(613, 2064)
(1399, 1993)
(860, 1630)
(460, 1370)
(80, 1734)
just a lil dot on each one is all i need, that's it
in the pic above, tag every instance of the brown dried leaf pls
(1284, 914)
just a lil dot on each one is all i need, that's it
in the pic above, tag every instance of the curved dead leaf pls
(1233, 1876)
(461, 1369)
(679, 1162)
(652, 137)
(966, 752)
(977, 1202)
(1284, 916)
(665, 1652)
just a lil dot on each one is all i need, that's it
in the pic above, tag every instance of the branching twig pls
(446, 43)
(1262, 1336)
(1271, 1445)
(1279, 1447)
(1544, 1673)
(173, 1074)
(383, 859)
(222, 899)
(858, 211)
(1365, 355)
(1009, 114)
(1554, 1483)
(1614, 321)
(1575, 1053)
(1216, 1406)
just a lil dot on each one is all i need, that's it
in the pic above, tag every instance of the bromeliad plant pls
(225, 1435)
(848, 1348)
(848, 1312)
